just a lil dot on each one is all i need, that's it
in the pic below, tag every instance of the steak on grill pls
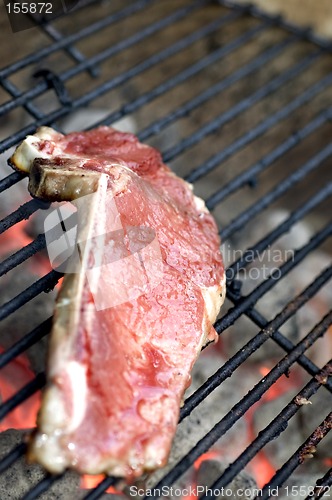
(132, 316)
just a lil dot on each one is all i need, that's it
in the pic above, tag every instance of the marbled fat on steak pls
(118, 367)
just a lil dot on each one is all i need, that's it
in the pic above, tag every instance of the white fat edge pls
(200, 204)
(27, 152)
(48, 134)
(77, 375)
(49, 452)
(52, 419)
(214, 297)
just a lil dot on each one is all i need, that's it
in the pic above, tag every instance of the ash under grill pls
(239, 104)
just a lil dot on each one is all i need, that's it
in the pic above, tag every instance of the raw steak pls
(131, 320)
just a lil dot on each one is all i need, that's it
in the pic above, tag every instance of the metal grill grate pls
(199, 35)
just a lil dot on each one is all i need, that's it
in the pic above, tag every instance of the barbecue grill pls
(238, 102)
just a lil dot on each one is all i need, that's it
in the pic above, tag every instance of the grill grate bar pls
(109, 52)
(192, 70)
(25, 342)
(10, 180)
(42, 486)
(250, 347)
(37, 56)
(321, 486)
(299, 456)
(244, 404)
(44, 284)
(273, 429)
(13, 90)
(12, 456)
(23, 212)
(276, 192)
(260, 129)
(251, 173)
(23, 254)
(30, 388)
(242, 106)
(100, 489)
(55, 35)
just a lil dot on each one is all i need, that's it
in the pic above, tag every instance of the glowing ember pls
(12, 378)
(14, 238)
(261, 467)
(88, 482)
(210, 455)
(280, 387)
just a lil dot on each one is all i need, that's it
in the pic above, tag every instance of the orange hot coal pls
(89, 482)
(13, 377)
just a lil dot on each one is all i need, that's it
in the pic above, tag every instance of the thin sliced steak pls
(131, 320)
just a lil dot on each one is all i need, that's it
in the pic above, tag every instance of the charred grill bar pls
(243, 304)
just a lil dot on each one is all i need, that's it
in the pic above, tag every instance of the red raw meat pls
(118, 366)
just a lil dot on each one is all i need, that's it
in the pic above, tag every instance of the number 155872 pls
(29, 8)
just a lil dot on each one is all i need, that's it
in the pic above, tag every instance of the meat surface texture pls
(132, 316)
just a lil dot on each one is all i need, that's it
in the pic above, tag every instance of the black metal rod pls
(46, 283)
(308, 447)
(322, 486)
(71, 50)
(244, 404)
(274, 428)
(253, 344)
(192, 70)
(276, 192)
(42, 486)
(259, 129)
(23, 254)
(23, 212)
(13, 90)
(25, 342)
(251, 173)
(20, 396)
(10, 180)
(242, 106)
(107, 53)
(101, 488)
(12, 456)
